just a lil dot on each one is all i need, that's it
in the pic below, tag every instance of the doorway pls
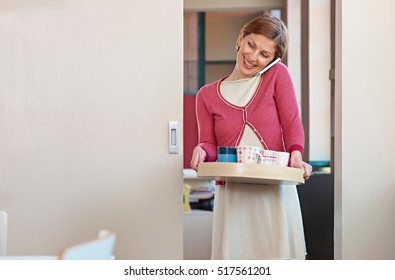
(211, 57)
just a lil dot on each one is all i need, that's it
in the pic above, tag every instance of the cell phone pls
(267, 67)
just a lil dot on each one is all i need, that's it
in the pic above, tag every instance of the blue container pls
(227, 154)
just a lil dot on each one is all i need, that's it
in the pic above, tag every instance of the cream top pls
(239, 93)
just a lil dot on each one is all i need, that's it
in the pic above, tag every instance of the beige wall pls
(294, 47)
(319, 83)
(364, 131)
(87, 90)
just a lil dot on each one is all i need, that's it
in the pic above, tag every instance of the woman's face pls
(256, 51)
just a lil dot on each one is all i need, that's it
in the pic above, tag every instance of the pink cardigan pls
(272, 113)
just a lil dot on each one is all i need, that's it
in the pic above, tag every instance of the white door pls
(87, 89)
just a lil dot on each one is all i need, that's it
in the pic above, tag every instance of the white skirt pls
(257, 222)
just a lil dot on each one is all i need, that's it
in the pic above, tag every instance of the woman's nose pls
(254, 56)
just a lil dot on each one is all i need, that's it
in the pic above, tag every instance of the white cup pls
(282, 159)
(248, 154)
(270, 157)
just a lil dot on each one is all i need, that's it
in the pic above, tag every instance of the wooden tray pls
(250, 173)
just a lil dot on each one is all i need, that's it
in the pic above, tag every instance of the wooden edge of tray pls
(250, 173)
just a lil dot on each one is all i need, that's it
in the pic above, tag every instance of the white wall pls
(294, 45)
(87, 88)
(364, 131)
(319, 83)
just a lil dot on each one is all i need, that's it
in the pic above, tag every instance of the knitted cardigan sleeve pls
(205, 123)
(288, 111)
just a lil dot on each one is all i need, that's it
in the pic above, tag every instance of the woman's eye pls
(250, 44)
(265, 55)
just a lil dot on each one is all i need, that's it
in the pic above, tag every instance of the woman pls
(254, 108)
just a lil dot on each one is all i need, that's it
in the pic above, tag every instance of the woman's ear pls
(239, 40)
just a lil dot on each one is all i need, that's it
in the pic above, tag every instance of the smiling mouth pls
(248, 64)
